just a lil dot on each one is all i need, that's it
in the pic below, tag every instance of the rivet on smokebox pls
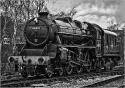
(35, 40)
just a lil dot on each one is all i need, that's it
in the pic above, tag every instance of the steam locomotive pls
(64, 46)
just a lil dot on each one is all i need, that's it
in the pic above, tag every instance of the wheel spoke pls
(49, 74)
(61, 71)
(79, 69)
(88, 68)
(87, 59)
(69, 69)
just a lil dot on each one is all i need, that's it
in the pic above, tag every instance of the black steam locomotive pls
(64, 46)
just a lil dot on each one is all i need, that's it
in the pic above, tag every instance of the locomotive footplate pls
(77, 46)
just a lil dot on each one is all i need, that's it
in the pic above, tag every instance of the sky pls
(101, 12)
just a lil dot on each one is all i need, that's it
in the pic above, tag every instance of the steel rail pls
(101, 83)
(27, 82)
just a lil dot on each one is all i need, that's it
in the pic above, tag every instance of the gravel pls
(77, 83)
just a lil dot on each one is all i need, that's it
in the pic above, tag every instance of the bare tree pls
(19, 11)
(72, 12)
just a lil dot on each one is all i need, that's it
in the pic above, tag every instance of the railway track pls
(36, 80)
(107, 81)
(122, 86)
(10, 77)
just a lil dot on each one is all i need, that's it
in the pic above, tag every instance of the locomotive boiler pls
(64, 46)
(39, 26)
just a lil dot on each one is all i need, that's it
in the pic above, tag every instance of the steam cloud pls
(99, 14)
(102, 12)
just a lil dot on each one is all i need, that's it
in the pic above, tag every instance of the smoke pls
(103, 13)
(87, 8)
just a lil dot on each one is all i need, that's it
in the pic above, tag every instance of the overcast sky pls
(101, 12)
(96, 11)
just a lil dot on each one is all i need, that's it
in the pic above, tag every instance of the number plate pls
(35, 28)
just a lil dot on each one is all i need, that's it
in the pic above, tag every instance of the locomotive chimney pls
(43, 15)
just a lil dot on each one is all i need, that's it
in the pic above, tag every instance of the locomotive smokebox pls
(38, 31)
